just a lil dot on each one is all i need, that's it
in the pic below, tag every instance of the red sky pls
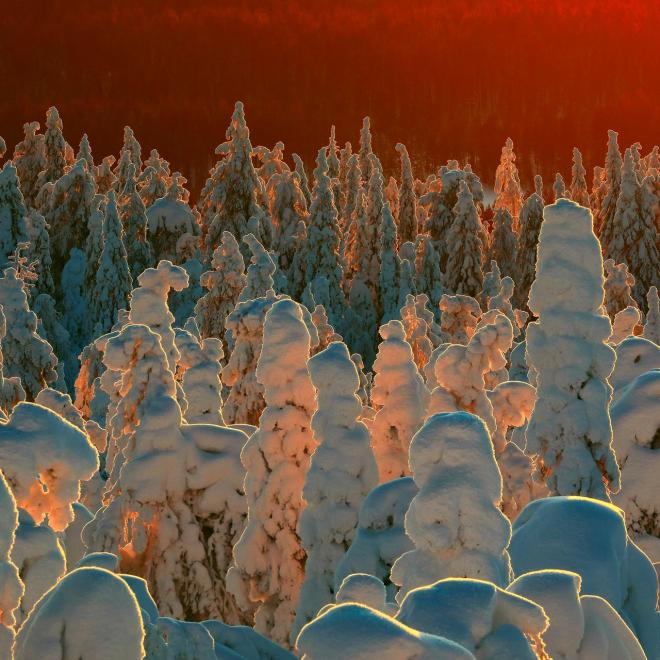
(451, 79)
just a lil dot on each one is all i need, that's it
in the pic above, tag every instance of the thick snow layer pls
(380, 538)
(475, 614)
(44, 459)
(367, 634)
(367, 590)
(581, 627)
(634, 356)
(233, 642)
(570, 430)
(454, 467)
(588, 537)
(91, 614)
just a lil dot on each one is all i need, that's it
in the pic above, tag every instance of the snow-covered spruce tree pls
(350, 179)
(176, 505)
(130, 154)
(269, 559)
(417, 331)
(272, 161)
(105, 178)
(245, 325)
(155, 179)
(611, 186)
(454, 467)
(302, 178)
(390, 267)
(259, 277)
(407, 226)
(134, 220)
(232, 194)
(618, 285)
(26, 355)
(365, 150)
(504, 243)
(342, 472)
(169, 218)
(199, 370)
(13, 214)
(465, 246)
(559, 187)
(570, 430)
(392, 197)
(148, 304)
(287, 208)
(54, 150)
(68, 212)
(460, 315)
(325, 331)
(531, 218)
(429, 277)
(38, 251)
(30, 159)
(508, 193)
(461, 372)
(400, 397)
(361, 320)
(578, 189)
(224, 283)
(11, 390)
(652, 324)
(323, 242)
(624, 325)
(501, 302)
(113, 284)
(85, 153)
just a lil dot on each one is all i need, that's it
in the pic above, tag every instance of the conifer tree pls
(531, 219)
(504, 243)
(54, 150)
(465, 245)
(30, 160)
(13, 214)
(302, 178)
(112, 288)
(559, 187)
(85, 153)
(390, 267)
(611, 179)
(224, 283)
(26, 355)
(232, 194)
(270, 567)
(407, 227)
(365, 150)
(508, 193)
(134, 221)
(579, 192)
(130, 154)
(38, 251)
(322, 250)
(345, 155)
(105, 177)
(429, 277)
(618, 286)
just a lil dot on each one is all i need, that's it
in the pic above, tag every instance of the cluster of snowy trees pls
(325, 414)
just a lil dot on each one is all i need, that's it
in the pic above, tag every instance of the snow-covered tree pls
(462, 372)
(390, 267)
(176, 504)
(26, 354)
(54, 150)
(570, 431)
(38, 251)
(85, 153)
(326, 332)
(504, 243)
(618, 285)
(30, 160)
(578, 190)
(417, 330)
(652, 324)
(465, 246)
(559, 187)
(269, 559)
(113, 284)
(105, 177)
(611, 184)
(400, 397)
(259, 278)
(224, 283)
(341, 474)
(13, 214)
(460, 315)
(531, 218)
(134, 221)
(407, 217)
(232, 194)
(508, 193)
(454, 467)
(429, 277)
(361, 320)
(68, 211)
(148, 304)
(323, 241)
(302, 178)
(365, 150)
(130, 154)
(272, 161)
